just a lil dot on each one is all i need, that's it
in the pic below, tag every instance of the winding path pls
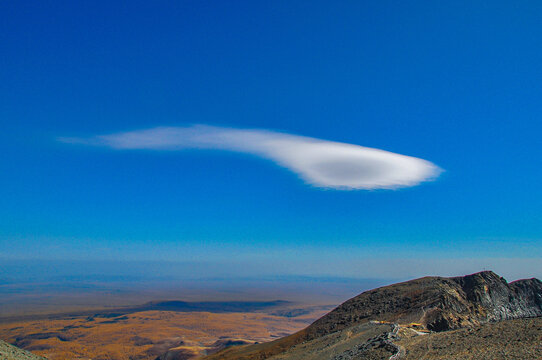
(394, 335)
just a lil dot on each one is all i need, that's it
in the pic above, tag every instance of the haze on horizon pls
(407, 139)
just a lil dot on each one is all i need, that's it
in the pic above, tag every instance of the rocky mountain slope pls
(10, 352)
(429, 304)
(519, 339)
(439, 303)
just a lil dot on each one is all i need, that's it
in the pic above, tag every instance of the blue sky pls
(457, 84)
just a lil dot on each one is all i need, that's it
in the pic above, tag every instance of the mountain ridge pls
(431, 303)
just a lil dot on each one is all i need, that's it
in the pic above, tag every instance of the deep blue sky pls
(456, 83)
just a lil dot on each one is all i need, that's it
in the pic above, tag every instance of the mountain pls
(374, 324)
(439, 303)
(10, 352)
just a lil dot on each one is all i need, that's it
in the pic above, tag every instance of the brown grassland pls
(147, 334)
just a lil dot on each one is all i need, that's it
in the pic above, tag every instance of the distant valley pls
(169, 329)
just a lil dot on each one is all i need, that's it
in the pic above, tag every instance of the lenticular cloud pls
(321, 163)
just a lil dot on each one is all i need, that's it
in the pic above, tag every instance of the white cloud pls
(321, 163)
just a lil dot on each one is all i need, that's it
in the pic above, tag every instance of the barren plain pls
(149, 334)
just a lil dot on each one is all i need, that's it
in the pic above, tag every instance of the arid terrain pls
(175, 330)
(518, 339)
(10, 352)
(62, 316)
(184, 329)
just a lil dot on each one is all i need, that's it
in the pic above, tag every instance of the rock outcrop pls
(439, 303)
(484, 297)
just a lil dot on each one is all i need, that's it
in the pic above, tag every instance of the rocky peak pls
(439, 303)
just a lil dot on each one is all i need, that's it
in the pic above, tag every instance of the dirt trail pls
(394, 335)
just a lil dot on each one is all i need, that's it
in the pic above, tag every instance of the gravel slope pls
(10, 352)
(519, 339)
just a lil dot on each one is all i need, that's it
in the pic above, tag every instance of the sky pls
(350, 138)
